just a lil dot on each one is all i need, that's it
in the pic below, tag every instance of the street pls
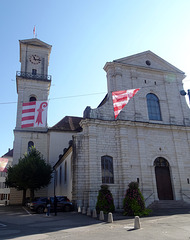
(18, 223)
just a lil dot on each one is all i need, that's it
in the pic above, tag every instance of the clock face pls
(35, 59)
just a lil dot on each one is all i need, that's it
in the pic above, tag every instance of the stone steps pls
(169, 204)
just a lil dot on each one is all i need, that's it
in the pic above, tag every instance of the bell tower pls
(33, 84)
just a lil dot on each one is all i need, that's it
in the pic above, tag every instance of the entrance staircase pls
(169, 204)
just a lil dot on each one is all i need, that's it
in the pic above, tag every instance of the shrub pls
(105, 200)
(133, 203)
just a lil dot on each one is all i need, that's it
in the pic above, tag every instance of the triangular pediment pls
(35, 42)
(148, 60)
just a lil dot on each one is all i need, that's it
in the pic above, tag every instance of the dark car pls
(63, 204)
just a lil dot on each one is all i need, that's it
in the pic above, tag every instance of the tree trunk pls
(23, 197)
(31, 194)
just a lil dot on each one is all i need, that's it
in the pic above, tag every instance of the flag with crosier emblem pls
(34, 114)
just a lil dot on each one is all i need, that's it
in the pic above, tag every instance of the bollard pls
(88, 212)
(101, 217)
(79, 209)
(94, 215)
(137, 223)
(110, 217)
(83, 210)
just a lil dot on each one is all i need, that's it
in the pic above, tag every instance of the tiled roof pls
(68, 123)
(9, 153)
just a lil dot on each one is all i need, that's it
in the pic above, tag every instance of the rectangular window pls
(107, 169)
(65, 172)
(60, 175)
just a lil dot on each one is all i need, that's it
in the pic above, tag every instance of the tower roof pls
(68, 123)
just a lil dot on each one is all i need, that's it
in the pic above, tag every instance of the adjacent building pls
(4, 190)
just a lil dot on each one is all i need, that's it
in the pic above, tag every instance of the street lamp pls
(54, 176)
(183, 93)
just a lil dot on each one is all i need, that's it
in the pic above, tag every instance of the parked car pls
(63, 204)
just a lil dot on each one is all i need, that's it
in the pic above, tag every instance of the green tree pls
(134, 203)
(31, 172)
(105, 200)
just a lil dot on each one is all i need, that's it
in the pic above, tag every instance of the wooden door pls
(163, 181)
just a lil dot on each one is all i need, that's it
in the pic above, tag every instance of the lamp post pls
(54, 176)
(183, 93)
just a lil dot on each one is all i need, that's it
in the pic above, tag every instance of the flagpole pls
(34, 31)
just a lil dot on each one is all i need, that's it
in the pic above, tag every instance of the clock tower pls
(33, 84)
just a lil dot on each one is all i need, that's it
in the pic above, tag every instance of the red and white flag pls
(3, 164)
(34, 114)
(121, 98)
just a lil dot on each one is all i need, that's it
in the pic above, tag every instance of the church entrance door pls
(163, 179)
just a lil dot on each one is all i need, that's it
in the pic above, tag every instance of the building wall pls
(21, 139)
(133, 140)
(134, 148)
(5, 191)
(57, 142)
(63, 183)
(21, 143)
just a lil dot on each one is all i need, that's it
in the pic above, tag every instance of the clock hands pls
(35, 59)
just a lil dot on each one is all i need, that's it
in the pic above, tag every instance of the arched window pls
(107, 169)
(32, 99)
(161, 162)
(153, 107)
(30, 146)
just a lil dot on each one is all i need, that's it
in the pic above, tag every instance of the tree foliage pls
(31, 172)
(134, 203)
(105, 200)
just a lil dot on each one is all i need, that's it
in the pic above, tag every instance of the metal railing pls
(149, 196)
(33, 76)
(185, 195)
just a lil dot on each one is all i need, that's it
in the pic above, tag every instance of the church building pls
(148, 141)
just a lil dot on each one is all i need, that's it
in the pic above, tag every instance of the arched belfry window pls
(30, 146)
(32, 99)
(107, 169)
(153, 106)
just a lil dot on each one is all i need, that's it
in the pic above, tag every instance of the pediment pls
(35, 42)
(148, 60)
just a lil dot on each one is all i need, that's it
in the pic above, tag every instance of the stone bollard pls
(110, 217)
(83, 210)
(94, 215)
(101, 217)
(79, 209)
(137, 223)
(88, 212)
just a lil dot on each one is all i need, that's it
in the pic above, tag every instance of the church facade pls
(149, 141)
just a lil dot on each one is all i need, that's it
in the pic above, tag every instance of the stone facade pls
(32, 81)
(133, 140)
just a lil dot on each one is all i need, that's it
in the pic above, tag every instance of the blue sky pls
(85, 34)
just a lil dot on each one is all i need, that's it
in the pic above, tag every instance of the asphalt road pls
(17, 223)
